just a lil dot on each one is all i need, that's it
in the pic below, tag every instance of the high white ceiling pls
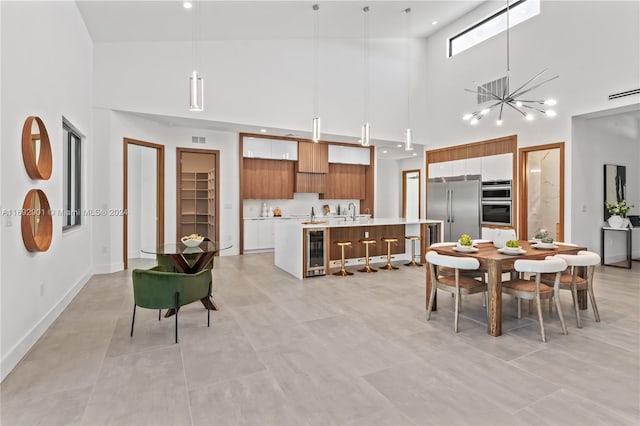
(168, 20)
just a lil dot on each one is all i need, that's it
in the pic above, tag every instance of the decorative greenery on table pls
(620, 208)
(465, 240)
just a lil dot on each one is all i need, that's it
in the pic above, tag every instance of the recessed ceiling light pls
(187, 5)
(263, 130)
(434, 23)
(414, 154)
(384, 152)
(399, 145)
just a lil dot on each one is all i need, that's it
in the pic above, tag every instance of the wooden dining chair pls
(573, 282)
(456, 283)
(536, 290)
(478, 273)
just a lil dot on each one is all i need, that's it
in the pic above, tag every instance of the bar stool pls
(366, 243)
(413, 239)
(389, 266)
(343, 271)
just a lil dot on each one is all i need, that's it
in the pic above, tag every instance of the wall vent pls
(197, 139)
(623, 94)
(497, 87)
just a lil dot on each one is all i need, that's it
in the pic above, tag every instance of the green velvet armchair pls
(157, 289)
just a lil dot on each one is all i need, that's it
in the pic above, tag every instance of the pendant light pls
(408, 135)
(513, 98)
(196, 84)
(366, 128)
(315, 132)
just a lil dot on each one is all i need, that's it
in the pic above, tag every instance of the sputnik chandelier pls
(512, 98)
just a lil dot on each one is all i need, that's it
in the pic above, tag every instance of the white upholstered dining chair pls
(573, 282)
(456, 283)
(535, 289)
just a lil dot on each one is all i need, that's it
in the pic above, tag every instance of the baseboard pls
(20, 349)
(108, 268)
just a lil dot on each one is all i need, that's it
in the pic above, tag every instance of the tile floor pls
(328, 351)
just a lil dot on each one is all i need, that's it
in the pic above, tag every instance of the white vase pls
(616, 221)
(501, 236)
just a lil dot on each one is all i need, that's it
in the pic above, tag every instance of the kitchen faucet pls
(353, 217)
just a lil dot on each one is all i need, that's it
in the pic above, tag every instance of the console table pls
(629, 232)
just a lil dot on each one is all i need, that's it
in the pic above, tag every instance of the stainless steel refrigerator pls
(456, 202)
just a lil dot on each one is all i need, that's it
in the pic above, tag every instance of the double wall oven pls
(497, 203)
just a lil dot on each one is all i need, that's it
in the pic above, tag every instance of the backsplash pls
(300, 205)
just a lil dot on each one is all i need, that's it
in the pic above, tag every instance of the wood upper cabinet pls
(313, 157)
(267, 179)
(311, 182)
(346, 181)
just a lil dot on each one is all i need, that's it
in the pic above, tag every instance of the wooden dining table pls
(495, 263)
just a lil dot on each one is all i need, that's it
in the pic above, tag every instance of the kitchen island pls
(296, 240)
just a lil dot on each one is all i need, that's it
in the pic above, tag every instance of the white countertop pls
(341, 223)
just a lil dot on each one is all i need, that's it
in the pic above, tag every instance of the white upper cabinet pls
(493, 167)
(348, 155)
(497, 167)
(274, 149)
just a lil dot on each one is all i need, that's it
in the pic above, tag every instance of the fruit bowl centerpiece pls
(465, 244)
(192, 240)
(511, 247)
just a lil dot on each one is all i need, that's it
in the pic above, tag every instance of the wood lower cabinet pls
(313, 157)
(311, 182)
(346, 181)
(355, 233)
(267, 179)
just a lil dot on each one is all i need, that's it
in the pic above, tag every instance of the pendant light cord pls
(408, 12)
(316, 60)
(366, 63)
(508, 67)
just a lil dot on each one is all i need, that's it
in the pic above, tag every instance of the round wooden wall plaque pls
(36, 149)
(36, 222)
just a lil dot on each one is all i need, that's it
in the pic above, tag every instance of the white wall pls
(115, 126)
(599, 141)
(263, 83)
(591, 63)
(36, 37)
(388, 185)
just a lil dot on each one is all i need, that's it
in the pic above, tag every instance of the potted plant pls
(618, 212)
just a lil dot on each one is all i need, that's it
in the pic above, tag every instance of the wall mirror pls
(36, 149)
(615, 183)
(411, 194)
(36, 221)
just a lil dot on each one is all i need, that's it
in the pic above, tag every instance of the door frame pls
(523, 187)
(159, 192)
(216, 154)
(404, 191)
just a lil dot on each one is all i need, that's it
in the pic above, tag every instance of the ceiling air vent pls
(623, 94)
(497, 87)
(197, 139)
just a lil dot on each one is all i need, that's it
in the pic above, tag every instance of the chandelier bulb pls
(550, 113)
(467, 117)
(498, 122)
(518, 104)
(550, 102)
(474, 121)
(485, 111)
(529, 117)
